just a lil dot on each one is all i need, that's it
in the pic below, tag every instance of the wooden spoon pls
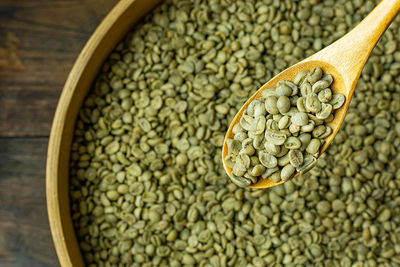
(344, 60)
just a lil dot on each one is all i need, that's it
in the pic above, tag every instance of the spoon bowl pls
(338, 86)
(344, 60)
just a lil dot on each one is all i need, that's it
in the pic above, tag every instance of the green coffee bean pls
(242, 163)
(258, 170)
(254, 160)
(258, 142)
(296, 158)
(293, 128)
(271, 105)
(314, 75)
(287, 172)
(319, 86)
(243, 160)
(237, 128)
(292, 143)
(313, 146)
(259, 109)
(282, 152)
(300, 119)
(250, 107)
(318, 131)
(328, 78)
(301, 104)
(267, 160)
(247, 147)
(326, 110)
(283, 88)
(269, 172)
(247, 122)
(284, 122)
(271, 124)
(308, 164)
(112, 148)
(283, 104)
(300, 77)
(305, 89)
(253, 179)
(230, 160)
(328, 131)
(337, 101)
(258, 126)
(314, 118)
(268, 92)
(239, 168)
(325, 95)
(234, 146)
(292, 86)
(275, 177)
(272, 149)
(275, 137)
(240, 181)
(305, 139)
(312, 103)
(283, 160)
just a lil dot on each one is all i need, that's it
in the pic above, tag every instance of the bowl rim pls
(110, 31)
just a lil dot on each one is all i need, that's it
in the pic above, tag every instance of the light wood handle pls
(349, 54)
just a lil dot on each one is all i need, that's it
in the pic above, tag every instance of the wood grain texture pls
(39, 41)
(25, 238)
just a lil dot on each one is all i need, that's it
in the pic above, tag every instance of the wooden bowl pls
(113, 28)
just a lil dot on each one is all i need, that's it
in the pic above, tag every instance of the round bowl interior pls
(117, 23)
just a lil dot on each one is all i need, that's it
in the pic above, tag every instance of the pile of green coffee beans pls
(147, 185)
(282, 131)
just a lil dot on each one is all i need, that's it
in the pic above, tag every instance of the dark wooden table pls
(39, 42)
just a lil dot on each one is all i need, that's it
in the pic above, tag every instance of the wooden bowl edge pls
(110, 31)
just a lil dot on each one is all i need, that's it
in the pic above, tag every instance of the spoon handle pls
(349, 54)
